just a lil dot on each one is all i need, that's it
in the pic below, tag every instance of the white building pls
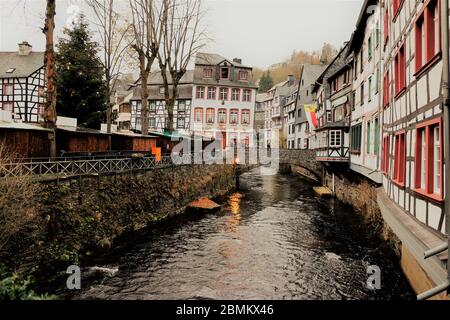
(223, 103)
(22, 85)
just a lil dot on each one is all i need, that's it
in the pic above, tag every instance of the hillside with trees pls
(280, 71)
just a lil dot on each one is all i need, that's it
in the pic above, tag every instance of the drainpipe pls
(446, 95)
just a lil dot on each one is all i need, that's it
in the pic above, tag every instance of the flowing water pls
(273, 240)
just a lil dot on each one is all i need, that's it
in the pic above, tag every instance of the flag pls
(310, 110)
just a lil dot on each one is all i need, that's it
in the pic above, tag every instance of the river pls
(273, 240)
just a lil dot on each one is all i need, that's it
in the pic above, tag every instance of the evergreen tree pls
(266, 82)
(81, 86)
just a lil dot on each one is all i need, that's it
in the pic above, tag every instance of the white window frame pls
(335, 139)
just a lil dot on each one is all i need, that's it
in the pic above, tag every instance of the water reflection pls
(273, 240)
(234, 206)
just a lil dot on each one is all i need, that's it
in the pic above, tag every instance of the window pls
(361, 60)
(8, 106)
(181, 106)
(245, 117)
(362, 94)
(386, 90)
(386, 25)
(224, 73)
(223, 94)
(329, 117)
(427, 34)
(200, 93)
(152, 123)
(429, 160)
(378, 80)
(222, 116)
(207, 73)
(198, 115)
(377, 35)
(396, 5)
(11, 70)
(152, 106)
(399, 159)
(234, 116)
(210, 115)
(376, 136)
(353, 100)
(355, 145)
(235, 94)
(370, 89)
(369, 48)
(180, 122)
(243, 75)
(247, 96)
(368, 135)
(9, 89)
(386, 150)
(400, 70)
(211, 93)
(162, 90)
(335, 138)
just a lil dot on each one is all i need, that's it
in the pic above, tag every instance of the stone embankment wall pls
(82, 217)
(351, 188)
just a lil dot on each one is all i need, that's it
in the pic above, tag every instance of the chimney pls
(237, 60)
(24, 48)
(291, 80)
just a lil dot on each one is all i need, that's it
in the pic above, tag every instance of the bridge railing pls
(76, 166)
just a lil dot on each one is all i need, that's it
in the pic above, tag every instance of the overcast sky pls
(261, 32)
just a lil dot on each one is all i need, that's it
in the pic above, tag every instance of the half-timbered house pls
(412, 158)
(303, 128)
(366, 46)
(157, 112)
(333, 92)
(22, 84)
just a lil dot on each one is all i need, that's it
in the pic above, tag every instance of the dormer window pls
(224, 73)
(243, 75)
(207, 73)
(10, 70)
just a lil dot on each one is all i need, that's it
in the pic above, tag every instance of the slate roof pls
(214, 59)
(24, 65)
(155, 78)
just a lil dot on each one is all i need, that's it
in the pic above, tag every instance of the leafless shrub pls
(17, 208)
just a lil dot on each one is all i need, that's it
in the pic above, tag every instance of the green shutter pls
(376, 147)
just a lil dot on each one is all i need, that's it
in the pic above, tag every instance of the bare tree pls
(182, 40)
(113, 37)
(50, 75)
(147, 29)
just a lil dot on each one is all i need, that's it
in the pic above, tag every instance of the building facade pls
(334, 100)
(412, 154)
(276, 123)
(306, 98)
(22, 85)
(223, 104)
(366, 46)
(157, 113)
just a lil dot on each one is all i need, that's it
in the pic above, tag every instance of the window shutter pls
(232, 69)
(217, 73)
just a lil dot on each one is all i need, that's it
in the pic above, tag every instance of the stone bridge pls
(302, 162)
